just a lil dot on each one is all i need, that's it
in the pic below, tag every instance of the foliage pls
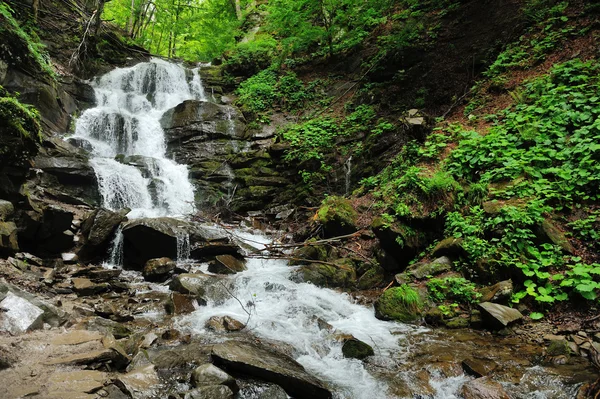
(35, 49)
(253, 56)
(20, 119)
(457, 289)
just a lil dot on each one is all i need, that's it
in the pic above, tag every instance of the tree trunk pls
(35, 6)
(238, 10)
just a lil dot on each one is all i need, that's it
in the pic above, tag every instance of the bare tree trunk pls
(129, 24)
(35, 7)
(238, 10)
(98, 20)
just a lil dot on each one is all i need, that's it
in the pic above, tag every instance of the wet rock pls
(8, 238)
(399, 244)
(224, 324)
(421, 270)
(226, 264)
(6, 210)
(373, 277)
(148, 341)
(483, 388)
(269, 365)
(139, 383)
(558, 348)
(85, 287)
(113, 311)
(145, 239)
(19, 315)
(337, 216)
(76, 337)
(210, 392)
(478, 367)
(51, 314)
(181, 304)
(208, 374)
(497, 316)
(158, 269)
(496, 292)
(339, 274)
(304, 255)
(106, 326)
(356, 349)
(98, 230)
(273, 392)
(100, 356)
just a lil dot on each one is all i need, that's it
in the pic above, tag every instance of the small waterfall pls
(348, 168)
(125, 122)
(115, 258)
(183, 247)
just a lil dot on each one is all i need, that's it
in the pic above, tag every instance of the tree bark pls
(35, 6)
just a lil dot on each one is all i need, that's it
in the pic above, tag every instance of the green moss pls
(337, 210)
(399, 303)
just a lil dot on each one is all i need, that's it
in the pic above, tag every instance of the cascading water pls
(126, 123)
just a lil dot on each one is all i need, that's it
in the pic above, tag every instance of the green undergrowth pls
(35, 50)
(518, 196)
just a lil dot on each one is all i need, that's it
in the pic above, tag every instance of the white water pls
(286, 311)
(126, 121)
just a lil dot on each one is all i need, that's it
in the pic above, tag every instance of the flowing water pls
(133, 172)
(129, 148)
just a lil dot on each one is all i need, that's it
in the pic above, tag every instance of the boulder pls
(158, 269)
(224, 324)
(478, 367)
(340, 274)
(51, 314)
(497, 316)
(181, 304)
(226, 264)
(554, 235)
(483, 388)
(208, 374)
(19, 315)
(356, 349)
(203, 286)
(400, 243)
(450, 246)
(496, 292)
(8, 238)
(266, 364)
(98, 231)
(139, 382)
(6, 210)
(85, 287)
(421, 270)
(338, 216)
(402, 304)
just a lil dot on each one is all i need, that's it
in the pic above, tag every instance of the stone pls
(483, 388)
(98, 229)
(8, 357)
(496, 292)
(138, 383)
(19, 315)
(356, 349)
(6, 210)
(421, 270)
(149, 340)
(145, 239)
(325, 275)
(449, 247)
(51, 314)
(224, 324)
(210, 392)
(8, 238)
(208, 374)
(268, 365)
(226, 264)
(273, 392)
(95, 356)
(337, 216)
(556, 236)
(399, 303)
(75, 383)
(76, 337)
(181, 303)
(85, 287)
(202, 286)
(478, 367)
(497, 316)
(158, 269)
(69, 257)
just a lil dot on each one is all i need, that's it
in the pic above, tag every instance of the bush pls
(248, 58)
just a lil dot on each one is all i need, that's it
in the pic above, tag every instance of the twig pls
(240, 302)
(388, 286)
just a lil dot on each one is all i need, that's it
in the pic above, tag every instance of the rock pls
(145, 239)
(106, 326)
(269, 365)
(337, 216)
(556, 236)
(6, 210)
(356, 349)
(203, 286)
(69, 257)
(91, 357)
(210, 392)
(139, 382)
(8, 238)
(399, 303)
(181, 304)
(421, 270)
(8, 357)
(478, 367)
(273, 392)
(98, 230)
(80, 382)
(224, 323)
(76, 337)
(496, 292)
(558, 348)
(399, 244)
(449, 247)
(158, 269)
(18, 315)
(373, 277)
(51, 314)
(85, 287)
(483, 388)
(497, 316)
(304, 255)
(208, 374)
(226, 264)
(325, 275)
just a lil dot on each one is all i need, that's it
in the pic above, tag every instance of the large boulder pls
(6, 210)
(208, 374)
(98, 231)
(50, 313)
(158, 269)
(402, 304)
(8, 238)
(19, 315)
(400, 243)
(205, 287)
(341, 274)
(227, 264)
(266, 364)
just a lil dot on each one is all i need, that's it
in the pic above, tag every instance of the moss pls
(337, 216)
(399, 303)
(371, 278)
(355, 349)
(559, 348)
(457, 322)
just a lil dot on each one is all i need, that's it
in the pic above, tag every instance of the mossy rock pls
(550, 232)
(559, 348)
(457, 322)
(402, 304)
(304, 255)
(324, 275)
(373, 277)
(450, 246)
(337, 216)
(400, 243)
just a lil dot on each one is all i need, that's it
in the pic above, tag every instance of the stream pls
(124, 134)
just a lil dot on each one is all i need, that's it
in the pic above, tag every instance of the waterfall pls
(348, 167)
(183, 247)
(115, 258)
(126, 122)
